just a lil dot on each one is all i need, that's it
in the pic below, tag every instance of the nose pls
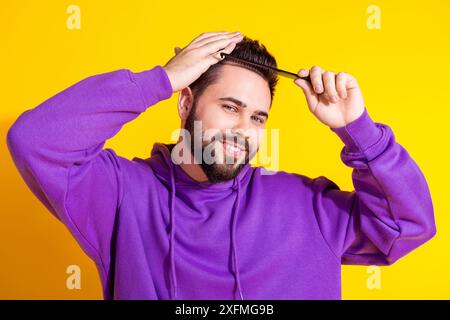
(241, 131)
(242, 126)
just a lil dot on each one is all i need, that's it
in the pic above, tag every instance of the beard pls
(225, 169)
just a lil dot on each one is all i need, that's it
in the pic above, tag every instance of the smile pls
(233, 149)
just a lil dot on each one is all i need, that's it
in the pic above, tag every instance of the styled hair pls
(247, 49)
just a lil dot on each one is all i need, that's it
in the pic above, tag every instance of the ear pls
(185, 101)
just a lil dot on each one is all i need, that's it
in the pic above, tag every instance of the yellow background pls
(402, 68)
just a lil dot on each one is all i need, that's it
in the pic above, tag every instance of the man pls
(173, 227)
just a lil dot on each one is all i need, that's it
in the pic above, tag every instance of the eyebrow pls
(243, 105)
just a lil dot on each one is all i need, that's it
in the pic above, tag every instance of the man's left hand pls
(335, 99)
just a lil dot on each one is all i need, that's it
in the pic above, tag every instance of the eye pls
(228, 107)
(258, 119)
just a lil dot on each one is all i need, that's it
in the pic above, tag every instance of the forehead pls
(242, 84)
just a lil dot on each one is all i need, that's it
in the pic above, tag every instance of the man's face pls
(232, 112)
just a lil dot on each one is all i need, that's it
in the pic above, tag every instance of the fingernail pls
(318, 88)
(334, 99)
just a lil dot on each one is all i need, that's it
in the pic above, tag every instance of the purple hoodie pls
(155, 233)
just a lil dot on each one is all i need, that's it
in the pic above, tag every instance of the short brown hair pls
(247, 49)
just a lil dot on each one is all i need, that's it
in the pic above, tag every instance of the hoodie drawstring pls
(233, 240)
(172, 235)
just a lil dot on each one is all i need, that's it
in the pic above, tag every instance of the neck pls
(192, 169)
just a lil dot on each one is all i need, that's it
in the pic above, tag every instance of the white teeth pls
(232, 149)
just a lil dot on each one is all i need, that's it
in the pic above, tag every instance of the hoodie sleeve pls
(57, 148)
(390, 212)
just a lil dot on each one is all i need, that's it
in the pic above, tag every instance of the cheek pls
(253, 145)
(256, 137)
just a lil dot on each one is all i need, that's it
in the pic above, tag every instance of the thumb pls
(310, 95)
(228, 49)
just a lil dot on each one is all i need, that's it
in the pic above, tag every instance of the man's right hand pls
(191, 62)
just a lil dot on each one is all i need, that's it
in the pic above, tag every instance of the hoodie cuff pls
(154, 84)
(360, 134)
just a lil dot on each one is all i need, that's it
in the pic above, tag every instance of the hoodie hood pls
(175, 178)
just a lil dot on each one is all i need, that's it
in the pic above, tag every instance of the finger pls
(303, 73)
(350, 82)
(217, 37)
(307, 88)
(329, 82)
(341, 80)
(206, 35)
(228, 49)
(215, 46)
(316, 79)
(225, 38)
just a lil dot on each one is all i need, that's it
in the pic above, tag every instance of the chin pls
(221, 172)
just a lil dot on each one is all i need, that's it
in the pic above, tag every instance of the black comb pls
(281, 72)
